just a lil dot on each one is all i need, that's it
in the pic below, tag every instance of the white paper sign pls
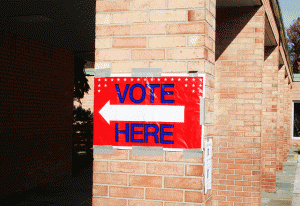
(208, 165)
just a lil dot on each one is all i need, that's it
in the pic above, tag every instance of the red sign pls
(148, 111)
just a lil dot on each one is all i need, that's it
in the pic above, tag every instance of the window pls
(296, 120)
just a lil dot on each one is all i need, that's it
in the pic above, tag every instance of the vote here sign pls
(148, 111)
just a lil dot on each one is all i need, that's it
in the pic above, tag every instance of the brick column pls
(280, 121)
(287, 118)
(238, 94)
(177, 36)
(269, 118)
(290, 119)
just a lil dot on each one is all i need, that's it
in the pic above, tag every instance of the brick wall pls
(287, 118)
(269, 118)
(280, 118)
(177, 36)
(238, 106)
(36, 108)
(123, 177)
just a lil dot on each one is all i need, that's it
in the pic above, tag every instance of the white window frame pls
(293, 114)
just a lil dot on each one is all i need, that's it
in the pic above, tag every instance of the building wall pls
(269, 118)
(36, 113)
(288, 118)
(248, 99)
(177, 36)
(238, 106)
(280, 120)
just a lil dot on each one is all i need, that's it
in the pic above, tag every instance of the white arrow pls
(147, 113)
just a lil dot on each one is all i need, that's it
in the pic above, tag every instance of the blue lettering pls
(136, 132)
(131, 93)
(163, 93)
(152, 86)
(131, 129)
(163, 133)
(122, 99)
(154, 134)
(117, 132)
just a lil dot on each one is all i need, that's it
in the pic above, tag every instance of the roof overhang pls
(238, 3)
(65, 24)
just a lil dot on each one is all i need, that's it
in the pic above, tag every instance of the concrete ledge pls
(192, 153)
(147, 151)
(108, 149)
(146, 72)
(102, 73)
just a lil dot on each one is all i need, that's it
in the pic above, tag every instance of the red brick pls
(165, 169)
(183, 183)
(191, 196)
(186, 28)
(143, 29)
(115, 30)
(235, 199)
(242, 183)
(126, 192)
(148, 5)
(130, 42)
(187, 53)
(112, 55)
(144, 203)
(145, 181)
(100, 166)
(97, 201)
(100, 190)
(227, 96)
(148, 54)
(109, 178)
(127, 167)
(109, 6)
(185, 4)
(164, 194)
(194, 170)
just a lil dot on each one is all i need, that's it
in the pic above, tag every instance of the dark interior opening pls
(297, 119)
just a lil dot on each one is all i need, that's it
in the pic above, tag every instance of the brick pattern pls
(280, 120)
(177, 36)
(287, 118)
(238, 106)
(269, 117)
(163, 33)
(148, 180)
(36, 113)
